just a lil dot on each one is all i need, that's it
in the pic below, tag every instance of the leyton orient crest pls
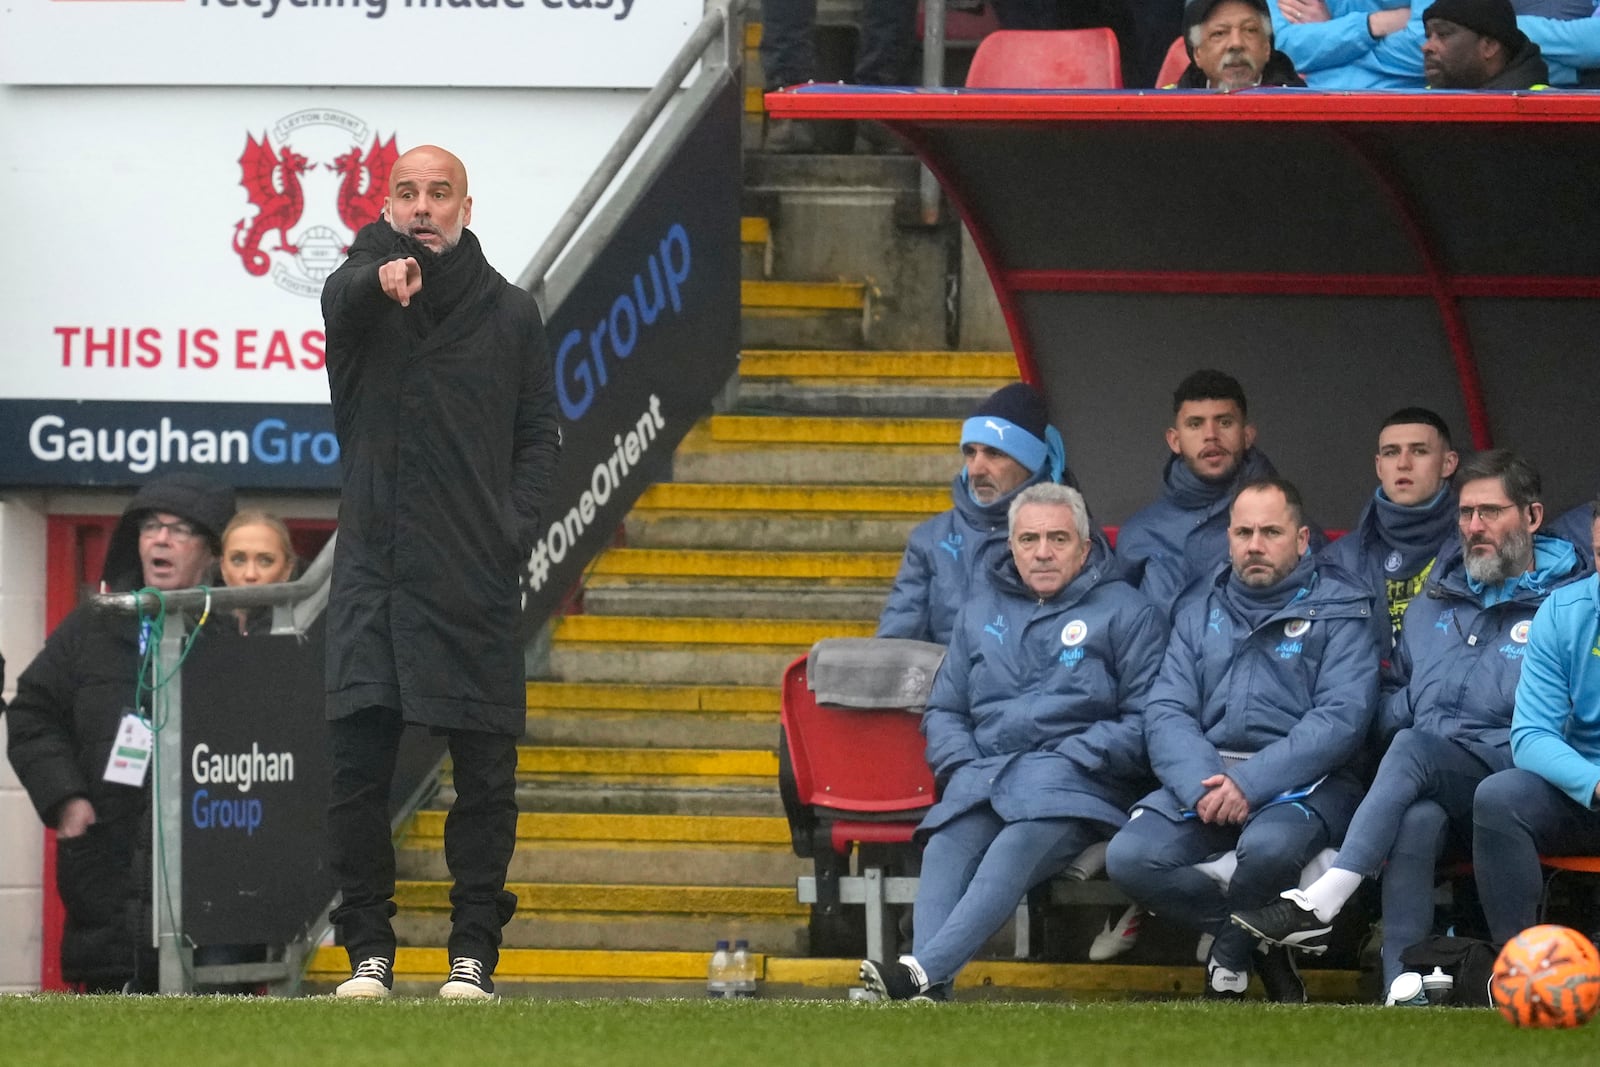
(313, 178)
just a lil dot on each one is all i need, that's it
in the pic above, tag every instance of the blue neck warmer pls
(1412, 534)
(1255, 606)
(1191, 492)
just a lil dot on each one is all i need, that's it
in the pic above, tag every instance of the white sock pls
(1327, 895)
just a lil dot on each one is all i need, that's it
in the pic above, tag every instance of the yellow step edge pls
(752, 35)
(653, 630)
(758, 363)
(657, 899)
(811, 296)
(653, 762)
(605, 696)
(730, 563)
(754, 230)
(795, 429)
(331, 962)
(673, 829)
(698, 496)
(754, 104)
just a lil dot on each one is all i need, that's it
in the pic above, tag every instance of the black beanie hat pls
(1197, 11)
(205, 502)
(1019, 404)
(1495, 19)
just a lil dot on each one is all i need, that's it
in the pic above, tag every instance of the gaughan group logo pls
(314, 178)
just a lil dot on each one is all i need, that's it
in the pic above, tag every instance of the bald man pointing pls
(445, 411)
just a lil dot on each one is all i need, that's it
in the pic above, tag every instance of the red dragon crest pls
(278, 209)
(365, 182)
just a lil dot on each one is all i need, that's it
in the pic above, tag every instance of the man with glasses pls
(1460, 655)
(76, 699)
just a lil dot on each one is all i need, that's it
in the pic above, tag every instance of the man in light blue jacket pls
(1254, 727)
(1007, 445)
(1460, 657)
(1033, 734)
(1550, 801)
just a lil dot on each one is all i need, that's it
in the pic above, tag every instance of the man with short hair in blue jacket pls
(1460, 656)
(1008, 444)
(1550, 801)
(1411, 516)
(1184, 534)
(1033, 734)
(1253, 726)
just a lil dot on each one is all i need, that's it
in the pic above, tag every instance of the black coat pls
(445, 412)
(1524, 69)
(69, 703)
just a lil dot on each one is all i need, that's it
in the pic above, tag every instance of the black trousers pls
(480, 834)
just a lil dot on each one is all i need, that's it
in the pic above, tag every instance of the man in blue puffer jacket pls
(1460, 655)
(1253, 726)
(1033, 734)
(1184, 534)
(1549, 803)
(1411, 516)
(1008, 445)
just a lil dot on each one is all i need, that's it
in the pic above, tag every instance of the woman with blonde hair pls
(256, 550)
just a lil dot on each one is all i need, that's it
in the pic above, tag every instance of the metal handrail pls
(718, 15)
(225, 597)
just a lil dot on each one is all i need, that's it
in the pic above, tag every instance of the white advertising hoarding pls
(177, 239)
(499, 43)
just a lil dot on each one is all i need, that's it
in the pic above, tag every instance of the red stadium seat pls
(860, 776)
(1047, 59)
(1174, 65)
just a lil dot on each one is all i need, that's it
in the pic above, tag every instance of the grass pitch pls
(45, 1031)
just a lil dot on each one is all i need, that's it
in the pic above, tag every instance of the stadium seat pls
(860, 776)
(1174, 65)
(1047, 59)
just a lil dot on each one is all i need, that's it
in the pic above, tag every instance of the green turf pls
(44, 1031)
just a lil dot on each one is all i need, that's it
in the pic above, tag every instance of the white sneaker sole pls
(464, 991)
(361, 989)
(1113, 941)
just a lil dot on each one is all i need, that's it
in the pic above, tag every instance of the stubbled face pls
(1413, 463)
(1265, 542)
(1211, 436)
(1235, 43)
(255, 555)
(172, 552)
(991, 474)
(1500, 546)
(428, 197)
(1454, 57)
(1046, 547)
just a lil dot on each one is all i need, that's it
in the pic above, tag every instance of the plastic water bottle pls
(743, 971)
(719, 975)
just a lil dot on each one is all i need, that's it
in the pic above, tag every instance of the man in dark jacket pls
(1230, 47)
(1253, 726)
(1460, 656)
(1184, 535)
(1007, 445)
(445, 412)
(1475, 44)
(71, 702)
(1033, 734)
(1410, 517)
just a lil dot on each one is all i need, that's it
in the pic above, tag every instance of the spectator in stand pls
(1410, 518)
(1460, 657)
(1254, 726)
(1377, 44)
(1550, 801)
(1184, 535)
(1576, 526)
(256, 550)
(1008, 445)
(74, 703)
(789, 57)
(1230, 47)
(1033, 734)
(1475, 44)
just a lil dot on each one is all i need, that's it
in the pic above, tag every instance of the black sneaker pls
(938, 994)
(1225, 984)
(373, 979)
(1280, 978)
(467, 981)
(1287, 921)
(900, 980)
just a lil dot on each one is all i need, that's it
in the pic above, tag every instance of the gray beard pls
(1508, 561)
